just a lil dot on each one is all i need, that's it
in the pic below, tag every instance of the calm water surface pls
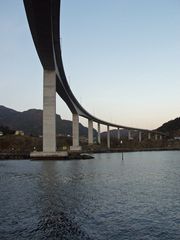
(104, 198)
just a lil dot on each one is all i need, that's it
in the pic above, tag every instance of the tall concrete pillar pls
(49, 112)
(99, 134)
(156, 136)
(90, 131)
(140, 136)
(160, 137)
(108, 138)
(129, 135)
(149, 135)
(118, 134)
(75, 133)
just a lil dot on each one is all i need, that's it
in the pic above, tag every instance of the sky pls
(121, 59)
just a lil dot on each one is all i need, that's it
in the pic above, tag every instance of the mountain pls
(171, 127)
(30, 122)
(114, 133)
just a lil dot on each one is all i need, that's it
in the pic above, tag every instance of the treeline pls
(6, 130)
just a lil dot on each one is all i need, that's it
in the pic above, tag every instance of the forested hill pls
(30, 122)
(171, 127)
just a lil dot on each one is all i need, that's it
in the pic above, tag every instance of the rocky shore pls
(23, 156)
(82, 155)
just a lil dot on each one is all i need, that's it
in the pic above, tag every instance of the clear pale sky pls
(121, 57)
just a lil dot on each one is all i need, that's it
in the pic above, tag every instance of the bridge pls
(44, 22)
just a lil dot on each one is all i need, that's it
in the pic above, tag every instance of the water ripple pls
(103, 198)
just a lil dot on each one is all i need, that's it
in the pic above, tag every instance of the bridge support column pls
(156, 137)
(118, 134)
(49, 120)
(108, 138)
(99, 134)
(129, 135)
(149, 135)
(140, 136)
(75, 133)
(49, 112)
(90, 131)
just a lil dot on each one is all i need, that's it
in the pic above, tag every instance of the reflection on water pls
(101, 198)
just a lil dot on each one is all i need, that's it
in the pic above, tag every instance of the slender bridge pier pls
(44, 22)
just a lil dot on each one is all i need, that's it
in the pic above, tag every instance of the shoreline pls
(79, 156)
(134, 150)
(22, 156)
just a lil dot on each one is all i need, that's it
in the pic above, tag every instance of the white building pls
(19, 133)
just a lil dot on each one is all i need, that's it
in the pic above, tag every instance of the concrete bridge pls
(44, 22)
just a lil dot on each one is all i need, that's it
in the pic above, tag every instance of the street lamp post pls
(121, 142)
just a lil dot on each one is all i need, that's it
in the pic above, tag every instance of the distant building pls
(19, 133)
(61, 135)
(177, 138)
(83, 139)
